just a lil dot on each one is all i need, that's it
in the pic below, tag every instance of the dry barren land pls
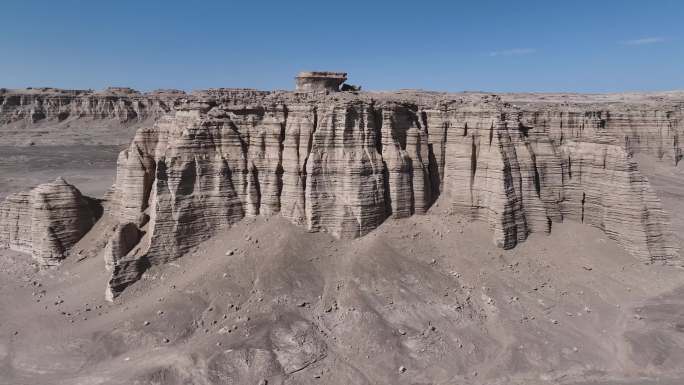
(256, 237)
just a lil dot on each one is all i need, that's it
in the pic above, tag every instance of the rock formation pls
(124, 238)
(344, 162)
(320, 81)
(49, 104)
(46, 222)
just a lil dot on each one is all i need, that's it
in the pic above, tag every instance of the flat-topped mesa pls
(46, 221)
(343, 163)
(21, 109)
(320, 81)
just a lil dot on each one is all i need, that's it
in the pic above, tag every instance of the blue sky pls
(523, 45)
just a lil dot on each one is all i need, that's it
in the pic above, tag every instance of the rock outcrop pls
(47, 116)
(123, 239)
(343, 163)
(46, 222)
(320, 81)
(117, 103)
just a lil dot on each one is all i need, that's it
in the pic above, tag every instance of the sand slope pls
(430, 294)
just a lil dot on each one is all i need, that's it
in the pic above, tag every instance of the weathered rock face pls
(120, 104)
(124, 238)
(320, 81)
(343, 163)
(520, 181)
(652, 125)
(602, 187)
(46, 222)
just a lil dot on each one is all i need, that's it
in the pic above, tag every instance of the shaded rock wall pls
(124, 238)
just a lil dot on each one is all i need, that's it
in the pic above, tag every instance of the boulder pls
(47, 221)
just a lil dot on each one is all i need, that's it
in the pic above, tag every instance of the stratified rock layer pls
(123, 239)
(47, 116)
(122, 104)
(46, 222)
(343, 163)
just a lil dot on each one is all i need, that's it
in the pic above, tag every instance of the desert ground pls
(334, 311)
(427, 299)
(268, 300)
(92, 168)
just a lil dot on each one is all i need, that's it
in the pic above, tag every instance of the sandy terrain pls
(91, 168)
(430, 294)
(82, 150)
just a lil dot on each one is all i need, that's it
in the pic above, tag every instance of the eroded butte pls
(329, 236)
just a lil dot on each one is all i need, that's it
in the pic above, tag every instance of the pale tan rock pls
(343, 163)
(344, 190)
(407, 159)
(117, 103)
(123, 239)
(297, 142)
(607, 191)
(320, 81)
(15, 222)
(46, 222)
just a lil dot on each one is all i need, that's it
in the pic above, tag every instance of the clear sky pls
(512, 45)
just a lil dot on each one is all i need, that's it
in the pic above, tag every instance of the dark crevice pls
(605, 156)
(409, 166)
(95, 207)
(257, 189)
(149, 166)
(537, 179)
(473, 164)
(627, 144)
(537, 182)
(442, 158)
(524, 130)
(491, 134)
(387, 195)
(189, 175)
(584, 197)
(377, 120)
(433, 171)
(677, 150)
(281, 147)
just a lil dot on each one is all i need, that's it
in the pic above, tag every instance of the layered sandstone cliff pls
(343, 163)
(47, 116)
(46, 221)
(122, 104)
